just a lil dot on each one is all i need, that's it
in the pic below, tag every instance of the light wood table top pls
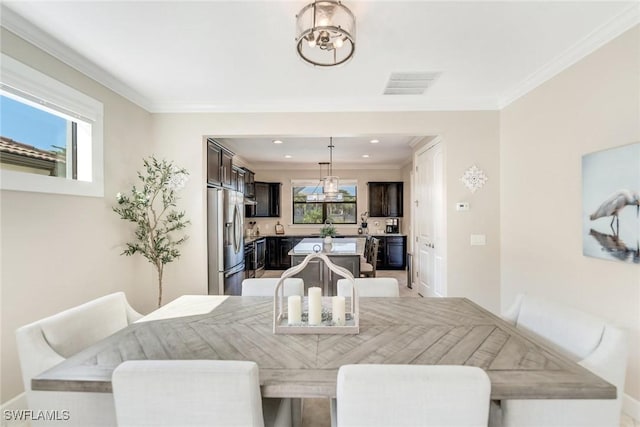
(428, 331)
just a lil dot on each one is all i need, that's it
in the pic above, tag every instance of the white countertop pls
(339, 246)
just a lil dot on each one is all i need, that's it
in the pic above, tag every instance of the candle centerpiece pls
(337, 311)
(294, 310)
(315, 314)
(315, 306)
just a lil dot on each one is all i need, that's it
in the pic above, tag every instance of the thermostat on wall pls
(462, 206)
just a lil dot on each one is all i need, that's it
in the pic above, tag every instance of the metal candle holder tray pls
(280, 316)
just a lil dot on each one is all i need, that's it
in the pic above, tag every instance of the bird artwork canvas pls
(611, 204)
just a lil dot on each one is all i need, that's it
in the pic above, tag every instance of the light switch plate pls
(462, 206)
(478, 240)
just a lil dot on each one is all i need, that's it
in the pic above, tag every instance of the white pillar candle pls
(295, 309)
(315, 306)
(338, 311)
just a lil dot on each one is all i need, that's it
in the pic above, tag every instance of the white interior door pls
(430, 222)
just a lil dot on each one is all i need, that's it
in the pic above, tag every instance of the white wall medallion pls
(474, 178)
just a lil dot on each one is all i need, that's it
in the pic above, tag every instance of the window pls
(317, 212)
(50, 134)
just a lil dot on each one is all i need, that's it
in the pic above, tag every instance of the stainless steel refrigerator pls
(225, 241)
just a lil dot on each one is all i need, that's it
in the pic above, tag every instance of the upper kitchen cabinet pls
(249, 184)
(227, 166)
(385, 199)
(267, 199)
(219, 164)
(237, 179)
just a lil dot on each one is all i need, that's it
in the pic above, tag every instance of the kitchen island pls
(345, 252)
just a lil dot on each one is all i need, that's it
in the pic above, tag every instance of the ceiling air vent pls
(409, 83)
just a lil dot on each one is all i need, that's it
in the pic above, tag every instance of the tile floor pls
(316, 412)
(627, 421)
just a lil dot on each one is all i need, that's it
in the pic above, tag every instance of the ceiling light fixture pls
(331, 182)
(277, 141)
(366, 156)
(325, 33)
(315, 196)
(374, 141)
(287, 156)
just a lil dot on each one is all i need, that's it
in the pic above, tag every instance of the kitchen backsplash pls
(267, 227)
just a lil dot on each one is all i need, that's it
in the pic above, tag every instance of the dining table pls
(408, 331)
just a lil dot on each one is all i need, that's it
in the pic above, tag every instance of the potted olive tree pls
(150, 206)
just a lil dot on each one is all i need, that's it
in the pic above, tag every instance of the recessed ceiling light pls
(366, 156)
(374, 141)
(287, 156)
(277, 141)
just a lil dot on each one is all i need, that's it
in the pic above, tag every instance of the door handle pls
(228, 240)
(237, 228)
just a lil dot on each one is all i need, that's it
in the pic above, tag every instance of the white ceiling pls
(178, 56)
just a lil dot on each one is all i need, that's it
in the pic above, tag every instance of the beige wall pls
(469, 137)
(591, 106)
(58, 251)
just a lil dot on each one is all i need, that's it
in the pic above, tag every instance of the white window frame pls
(18, 78)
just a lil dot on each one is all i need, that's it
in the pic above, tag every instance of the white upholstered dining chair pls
(184, 393)
(412, 395)
(265, 287)
(370, 287)
(49, 341)
(595, 343)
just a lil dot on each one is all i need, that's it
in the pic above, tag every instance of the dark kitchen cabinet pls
(386, 199)
(395, 253)
(249, 184)
(214, 160)
(227, 168)
(285, 245)
(278, 252)
(219, 164)
(392, 252)
(267, 199)
(237, 179)
(273, 262)
(234, 178)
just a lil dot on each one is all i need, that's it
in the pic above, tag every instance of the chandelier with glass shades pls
(330, 183)
(326, 33)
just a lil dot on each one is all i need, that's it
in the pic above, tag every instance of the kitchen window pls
(51, 134)
(317, 212)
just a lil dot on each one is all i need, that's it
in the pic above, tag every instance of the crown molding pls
(344, 105)
(34, 35)
(622, 22)
(415, 141)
